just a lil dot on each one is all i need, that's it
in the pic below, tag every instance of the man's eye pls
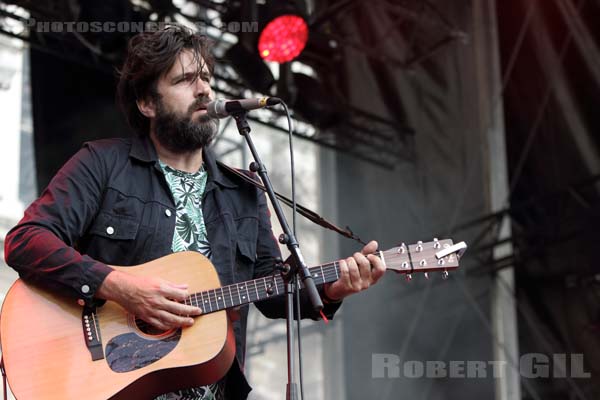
(185, 78)
(191, 78)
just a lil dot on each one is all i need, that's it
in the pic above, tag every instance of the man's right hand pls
(154, 300)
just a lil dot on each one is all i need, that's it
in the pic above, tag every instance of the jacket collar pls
(143, 150)
(210, 163)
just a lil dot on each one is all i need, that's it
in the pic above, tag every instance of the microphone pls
(221, 108)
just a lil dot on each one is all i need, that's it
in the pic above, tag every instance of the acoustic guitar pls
(57, 349)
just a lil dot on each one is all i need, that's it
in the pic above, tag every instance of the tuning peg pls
(408, 277)
(426, 275)
(444, 274)
(401, 248)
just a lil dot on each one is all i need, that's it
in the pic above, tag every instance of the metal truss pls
(569, 215)
(360, 133)
(420, 19)
(539, 226)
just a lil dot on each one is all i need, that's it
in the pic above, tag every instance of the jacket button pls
(85, 289)
(168, 212)
(110, 230)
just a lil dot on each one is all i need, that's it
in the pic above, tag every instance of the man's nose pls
(201, 88)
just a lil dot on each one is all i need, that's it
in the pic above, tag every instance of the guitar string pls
(215, 299)
(215, 303)
(329, 275)
(330, 272)
(213, 296)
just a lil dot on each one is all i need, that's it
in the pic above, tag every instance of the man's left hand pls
(357, 273)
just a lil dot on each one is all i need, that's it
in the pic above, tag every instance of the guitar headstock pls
(438, 255)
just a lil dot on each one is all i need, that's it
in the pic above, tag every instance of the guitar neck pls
(255, 290)
(439, 255)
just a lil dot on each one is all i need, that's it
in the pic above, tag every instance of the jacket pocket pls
(117, 227)
(247, 230)
(247, 249)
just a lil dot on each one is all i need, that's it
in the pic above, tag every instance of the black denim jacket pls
(110, 204)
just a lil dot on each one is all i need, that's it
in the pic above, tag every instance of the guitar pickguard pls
(129, 351)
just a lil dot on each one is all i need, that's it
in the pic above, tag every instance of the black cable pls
(292, 166)
(296, 285)
(301, 378)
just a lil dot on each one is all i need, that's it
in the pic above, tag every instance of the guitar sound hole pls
(149, 329)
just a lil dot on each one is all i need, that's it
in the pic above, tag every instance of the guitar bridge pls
(91, 332)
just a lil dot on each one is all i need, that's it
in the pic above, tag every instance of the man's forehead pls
(186, 62)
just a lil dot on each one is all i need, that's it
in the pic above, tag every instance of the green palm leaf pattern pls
(184, 191)
(190, 234)
(185, 227)
(210, 392)
(178, 243)
(188, 189)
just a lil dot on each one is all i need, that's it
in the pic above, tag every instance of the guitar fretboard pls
(405, 259)
(255, 290)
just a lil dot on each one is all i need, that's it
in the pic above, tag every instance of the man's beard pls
(181, 134)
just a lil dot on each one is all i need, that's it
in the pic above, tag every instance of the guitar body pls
(44, 342)
(56, 349)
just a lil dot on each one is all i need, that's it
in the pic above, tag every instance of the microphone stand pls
(298, 266)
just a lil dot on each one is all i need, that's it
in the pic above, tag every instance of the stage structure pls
(467, 119)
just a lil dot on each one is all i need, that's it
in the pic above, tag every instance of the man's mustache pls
(201, 102)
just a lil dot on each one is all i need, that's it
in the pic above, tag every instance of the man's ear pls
(146, 107)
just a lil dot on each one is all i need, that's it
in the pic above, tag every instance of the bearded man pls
(129, 201)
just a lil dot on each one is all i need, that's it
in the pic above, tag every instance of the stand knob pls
(283, 238)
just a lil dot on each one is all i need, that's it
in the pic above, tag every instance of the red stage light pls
(283, 39)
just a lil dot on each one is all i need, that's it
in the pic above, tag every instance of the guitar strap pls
(305, 212)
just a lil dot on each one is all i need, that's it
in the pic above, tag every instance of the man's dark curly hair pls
(150, 55)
